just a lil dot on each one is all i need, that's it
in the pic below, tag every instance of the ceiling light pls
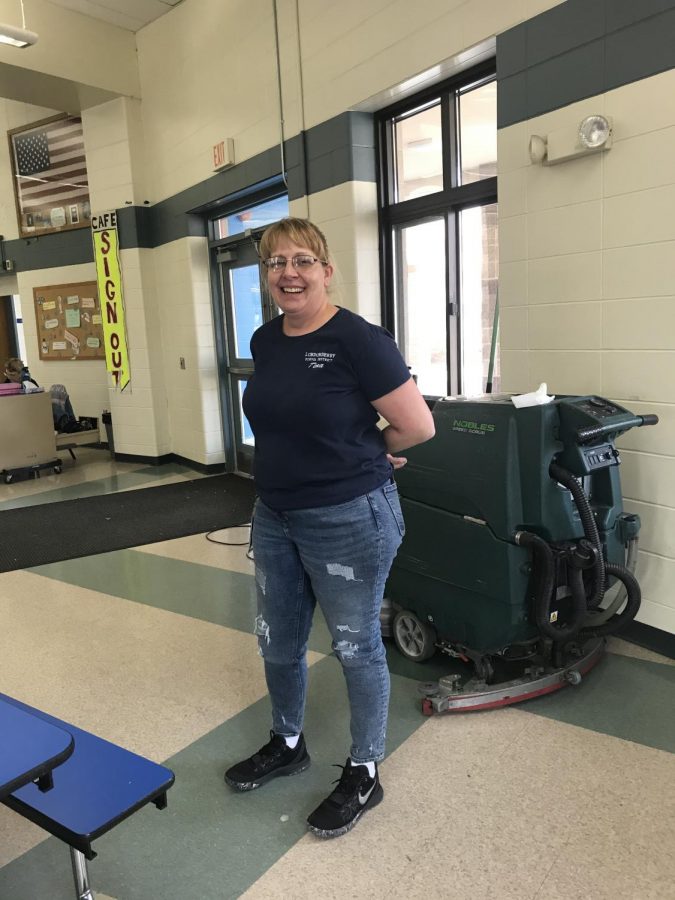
(18, 37)
(594, 132)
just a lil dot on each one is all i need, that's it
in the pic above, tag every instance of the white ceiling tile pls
(131, 15)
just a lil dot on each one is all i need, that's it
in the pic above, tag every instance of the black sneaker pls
(356, 792)
(275, 758)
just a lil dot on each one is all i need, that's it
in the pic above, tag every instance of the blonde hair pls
(300, 231)
(13, 366)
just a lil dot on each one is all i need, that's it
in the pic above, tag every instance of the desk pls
(29, 749)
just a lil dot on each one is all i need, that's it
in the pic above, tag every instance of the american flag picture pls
(51, 173)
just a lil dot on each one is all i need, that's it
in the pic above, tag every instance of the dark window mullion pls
(388, 163)
(454, 313)
(450, 144)
(475, 194)
(387, 275)
(482, 73)
(398, 288)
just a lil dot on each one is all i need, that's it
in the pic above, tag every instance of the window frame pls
(447, 203)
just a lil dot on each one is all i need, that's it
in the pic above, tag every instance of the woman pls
(327, 521)
(17, 372)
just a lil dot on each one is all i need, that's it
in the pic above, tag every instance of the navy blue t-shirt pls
(308, 403)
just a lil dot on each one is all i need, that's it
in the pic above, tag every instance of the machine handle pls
(585, 435)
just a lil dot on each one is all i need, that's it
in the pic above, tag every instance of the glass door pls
(241, 304)
(245, 308)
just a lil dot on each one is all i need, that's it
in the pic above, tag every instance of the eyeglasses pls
(301, 261)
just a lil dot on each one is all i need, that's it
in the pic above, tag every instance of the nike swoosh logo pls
(363, 798)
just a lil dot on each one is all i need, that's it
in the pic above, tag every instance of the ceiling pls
(129, 14)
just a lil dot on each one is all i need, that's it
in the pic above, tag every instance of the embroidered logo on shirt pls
(316, 360)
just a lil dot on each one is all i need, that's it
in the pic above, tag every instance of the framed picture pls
(50, 175)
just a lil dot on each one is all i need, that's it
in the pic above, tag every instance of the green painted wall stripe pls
(338, 151)
(579, 49)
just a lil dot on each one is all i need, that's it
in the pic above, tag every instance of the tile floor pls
(568, 796)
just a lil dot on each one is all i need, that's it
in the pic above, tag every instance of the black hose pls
(590, 528)
(633, 600)
(544, 578)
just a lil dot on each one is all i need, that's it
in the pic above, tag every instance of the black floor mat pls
(35, 535)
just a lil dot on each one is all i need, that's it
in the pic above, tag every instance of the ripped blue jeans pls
(338, 556)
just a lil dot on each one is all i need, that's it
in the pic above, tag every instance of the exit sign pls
(223, 154)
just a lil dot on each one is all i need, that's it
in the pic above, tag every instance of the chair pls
(62, 408)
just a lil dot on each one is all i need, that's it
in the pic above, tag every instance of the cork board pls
(68, 319)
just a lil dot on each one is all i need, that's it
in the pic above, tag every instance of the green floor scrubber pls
(518, 557)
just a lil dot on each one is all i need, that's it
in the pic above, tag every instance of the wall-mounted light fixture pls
(15, 36)
(593, 134)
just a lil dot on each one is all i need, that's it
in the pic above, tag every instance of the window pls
(253, 217)
(438, 219)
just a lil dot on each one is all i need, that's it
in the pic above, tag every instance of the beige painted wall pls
(208, 69)
(587, 289)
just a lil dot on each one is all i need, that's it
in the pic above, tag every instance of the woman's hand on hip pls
(397, 461)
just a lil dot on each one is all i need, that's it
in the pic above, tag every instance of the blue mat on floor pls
(51, 532)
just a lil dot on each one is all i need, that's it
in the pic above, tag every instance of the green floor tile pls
(206, 593)
(629, 698)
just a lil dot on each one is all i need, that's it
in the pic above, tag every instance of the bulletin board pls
(68, 319)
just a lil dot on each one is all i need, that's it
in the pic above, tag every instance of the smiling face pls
(300, 294)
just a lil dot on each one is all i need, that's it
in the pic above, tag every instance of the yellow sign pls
(109, 277)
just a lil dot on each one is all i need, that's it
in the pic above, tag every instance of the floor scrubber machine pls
(518, 557)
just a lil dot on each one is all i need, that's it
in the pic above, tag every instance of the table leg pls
(81, 875)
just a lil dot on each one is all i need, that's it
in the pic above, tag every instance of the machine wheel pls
(9, 478)
(414, 638)
(57, 470)
(485, 669)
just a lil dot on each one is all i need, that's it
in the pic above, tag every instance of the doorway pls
(242, 304)
(245, 306)
(8, 339)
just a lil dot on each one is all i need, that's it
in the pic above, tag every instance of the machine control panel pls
(601, 457)
(599, 408)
